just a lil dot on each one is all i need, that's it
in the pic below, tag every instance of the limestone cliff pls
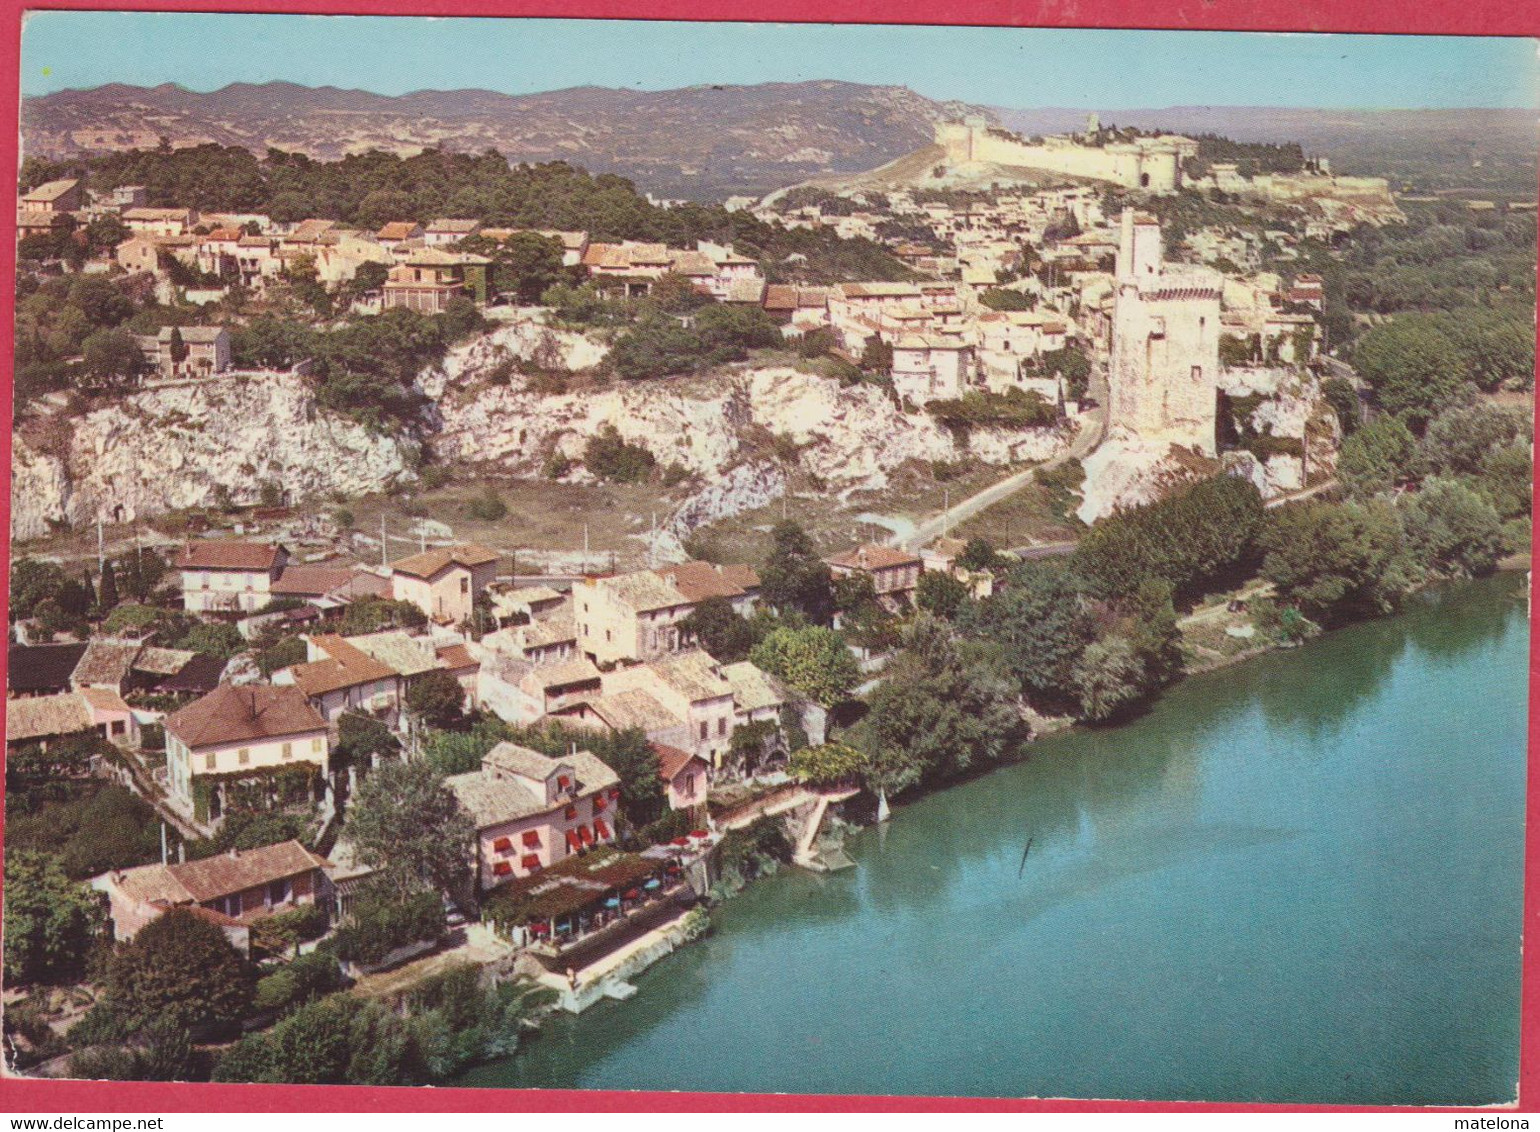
(186, 446)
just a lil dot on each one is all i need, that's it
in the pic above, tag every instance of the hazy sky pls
(997, 66)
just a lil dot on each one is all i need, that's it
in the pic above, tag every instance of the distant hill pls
(1491, 151)
(702, 142)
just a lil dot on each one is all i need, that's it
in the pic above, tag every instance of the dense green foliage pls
(382, 918)
(1015, 408)
(406, 823)
(813, 661)
(1199, 538)
(50, 921)
(89, 827)
(1333, 560)
(719, 629)
(179, 970)
(794, 579)
(610, 457)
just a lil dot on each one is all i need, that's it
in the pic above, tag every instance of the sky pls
(1007, 67)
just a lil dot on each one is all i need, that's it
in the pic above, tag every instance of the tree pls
(107, 597)
(1108, 678)
(794, 578)
(181, 970)
(111, 359)
(176, 348)
(1376, 457)
(609, 457)
(50, 921)
(1042, 624)
(1451, 530)
(1342, 396)
(979, 554)
(937, 712)
(436, 698)
(216, 639)
(828, 765)
(941, 594)
(1460, 438)
(877, 356)
(813, 661)
(719, 629)
(338, 1040)
(405, 822)
(1411, 365)
(33, 581)
(370, 276)
(1333, 560)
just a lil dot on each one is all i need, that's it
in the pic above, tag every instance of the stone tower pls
(1165, 343)
(1093, 124)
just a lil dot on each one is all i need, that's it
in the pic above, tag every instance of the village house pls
(106, 664)
(894, 573)
(160, 221)
(234, 890)
(629, 269)
(449, 231)
(941, 555)
(931, 367)
(692, 687)
(41, 223)
(531, 811)
(45, 720)
(41, 670)
(686, 777)
(397, 232)
(239, 732)
(445, 582)
(60, 196)
(187, 351)
(228, 576)
(427, 281)
(338, 677)
(636, 616)
(130, 196)
(522, 693)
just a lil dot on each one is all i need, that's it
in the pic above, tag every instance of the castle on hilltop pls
(1151, 164)
(1165, 343)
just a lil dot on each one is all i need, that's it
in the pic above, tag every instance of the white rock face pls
(165, 449)
(848, 437)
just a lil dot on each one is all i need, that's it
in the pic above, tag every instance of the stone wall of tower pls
(1165, 345)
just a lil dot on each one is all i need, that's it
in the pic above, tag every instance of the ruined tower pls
(1165, 343)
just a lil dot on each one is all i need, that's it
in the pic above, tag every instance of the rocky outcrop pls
(191, 445)
(849, 437)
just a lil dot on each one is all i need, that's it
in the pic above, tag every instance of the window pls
(502, 868)
(569, 813)
(243, 756)
(315, 746)
(1197, 373)
(465, 585)
(288, 750)
(705, 729)
(722, 726)
(279, 892)
(563, 782)
(689, 786)
(208, 761)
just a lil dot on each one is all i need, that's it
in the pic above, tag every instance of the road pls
(1084, 444)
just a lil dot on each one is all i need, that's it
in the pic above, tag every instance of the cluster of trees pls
(1251, 157)
(1444, 257)
(1418, 363)
(89, 317)
(1015, 408)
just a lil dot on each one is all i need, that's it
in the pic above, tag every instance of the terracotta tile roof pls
(699, 580)
(104, 699)
(230, 714)
(310, 229)
(745, 290)
(635, 708)
(456, 656)
(227, 554)
(693, 674)
(183, 214)
(43, 717)
(491, 798)
(343, 666)
(643, 590)
(431, 562)
(162, 662)
(51, 190)
(692, 263)
(450, 224)
(222, 875)
(672, 761)
(753, 688)
(398, 230)
(105, 662)
(579, 671)
(312, 581)
(874, 556)
(408, 655)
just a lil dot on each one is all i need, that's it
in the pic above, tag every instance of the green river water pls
(1297, 879)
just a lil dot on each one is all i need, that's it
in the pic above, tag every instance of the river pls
(1294, 880)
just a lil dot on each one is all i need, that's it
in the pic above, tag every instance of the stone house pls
(449, 231)
(635, 616)
(686, 777)
(240, 732)
(532, 811)
(228, 576)
(444, 582)
(337, 677)
(692, 687)
(427, 281)
(160, 221)
(60, 196)
(234, 890)
(205, 350)
(894, 573)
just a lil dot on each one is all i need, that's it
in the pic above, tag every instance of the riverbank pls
(1237, 876)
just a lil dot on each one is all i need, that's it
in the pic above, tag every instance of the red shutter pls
(615, 793)
(531, 839)
(502, 869)
(563, 782)
(530, 861)
(502, 845)
(573, 844)
(585, 834)
(601, 829)
(570, 813)
(600, 805)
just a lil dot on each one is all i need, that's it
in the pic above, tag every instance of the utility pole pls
(101, 554)
(585, 549)
(946, 511)
(384, 556)
(652, 544)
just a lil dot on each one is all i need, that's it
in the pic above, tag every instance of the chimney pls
(234, 853)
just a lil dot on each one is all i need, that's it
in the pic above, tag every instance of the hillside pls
(701, 142)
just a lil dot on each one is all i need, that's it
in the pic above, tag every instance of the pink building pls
(532, 811)
(686, 777)
(444, 582)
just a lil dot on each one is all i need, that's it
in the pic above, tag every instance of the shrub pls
(488, 508)
(609, 457)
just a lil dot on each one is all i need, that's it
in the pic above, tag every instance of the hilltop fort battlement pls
(1153, 164)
